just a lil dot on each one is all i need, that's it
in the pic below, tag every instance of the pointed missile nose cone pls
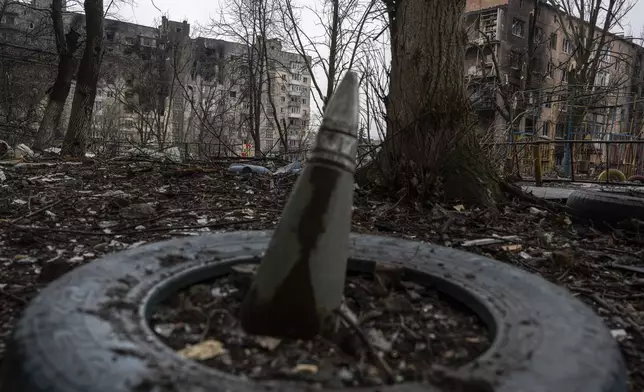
(337, 138)
(342, 110)
(300, 281)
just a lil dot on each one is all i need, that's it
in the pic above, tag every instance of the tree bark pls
(67, 44)
(86, 80)
(431, 143)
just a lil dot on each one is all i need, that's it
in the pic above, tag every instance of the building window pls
(291, 121)
(305, 79)
(602, 78)
(553, 41)
(548, 100)
(31, 25)
(545, 131)
(515, 59)
(268, 133)
(292, 143)
(560, 131)
(233, 94)
(281, 110)
(283, 88)
(567, 46)
(550, 70)
(129, 41)
(292, 99)
(295, 77)
(304, 101)
(518, 28)
(538, 34)
(145, 41)
(283, 99)
(564, 76)
(294, 109)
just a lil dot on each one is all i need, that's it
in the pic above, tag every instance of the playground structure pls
(587, 158)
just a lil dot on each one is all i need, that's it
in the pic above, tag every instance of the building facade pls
(158, 86)
(511, 108)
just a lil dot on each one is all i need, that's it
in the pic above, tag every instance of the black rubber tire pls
(87, 331)
(606, 206)
(635, 179)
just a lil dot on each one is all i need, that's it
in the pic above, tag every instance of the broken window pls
(545, 130)
(538, 34)
(515, 59)
(488, 24)
(567, 46)
(553, 41)
(518, 28)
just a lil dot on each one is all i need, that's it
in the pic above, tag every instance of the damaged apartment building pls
(158, 86)
(511, 106)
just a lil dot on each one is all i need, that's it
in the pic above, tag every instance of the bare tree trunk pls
(84, 95)
(431, 139)
(67, 44)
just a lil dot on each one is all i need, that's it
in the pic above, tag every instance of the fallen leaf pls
(305, 368)
(512, 248)
(459, 207)
(204, 350)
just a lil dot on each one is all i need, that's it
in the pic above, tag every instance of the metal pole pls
(567, 146)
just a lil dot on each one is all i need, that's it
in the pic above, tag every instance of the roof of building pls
(478, 5)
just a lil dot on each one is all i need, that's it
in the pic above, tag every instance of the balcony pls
(298, 114)
(483, 98)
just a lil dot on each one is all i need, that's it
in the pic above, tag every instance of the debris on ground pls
(388, 342)
(246, 168)
(292, 168)
(55, 218)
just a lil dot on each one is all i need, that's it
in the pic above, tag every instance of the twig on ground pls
(634, 326)
(627, 268)
(177, 212)
(21, 301)
(154, 229)
(38, 211)
(384, 366)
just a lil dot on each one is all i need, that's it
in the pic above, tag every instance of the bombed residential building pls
(518, 70)
(158, 86)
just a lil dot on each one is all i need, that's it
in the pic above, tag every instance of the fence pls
(573, 160)
(193, 151)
